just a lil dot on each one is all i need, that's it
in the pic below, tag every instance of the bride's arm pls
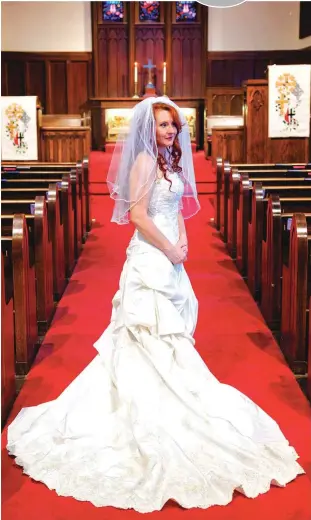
(147, 228)
(182, 230)
(140, 217)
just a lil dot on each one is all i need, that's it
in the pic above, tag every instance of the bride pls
(146, 421)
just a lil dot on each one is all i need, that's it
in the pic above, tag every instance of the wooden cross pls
(20, 139)
(150, 66)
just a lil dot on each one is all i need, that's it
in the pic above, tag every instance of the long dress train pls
(146, 421)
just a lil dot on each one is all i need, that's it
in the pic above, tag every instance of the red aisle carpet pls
(231, 337)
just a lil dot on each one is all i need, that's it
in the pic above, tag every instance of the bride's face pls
(165, 128)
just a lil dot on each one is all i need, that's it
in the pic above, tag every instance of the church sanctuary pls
(73, 73)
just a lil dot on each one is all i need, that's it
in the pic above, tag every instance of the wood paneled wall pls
(231, 69)
(62, 81)
(259, 148)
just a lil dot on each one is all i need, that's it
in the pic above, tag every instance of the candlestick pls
(136, 96)
(164, 72)
(135, 72)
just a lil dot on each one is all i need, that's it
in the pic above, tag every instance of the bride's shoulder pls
(144, 158)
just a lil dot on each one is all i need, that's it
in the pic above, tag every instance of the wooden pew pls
(246, 226)
(257, 228)
(275, 237)
(231, 175)
(40, 240)
(21, 257)
(8, 389)
(82, 167)
(76, 200)
(238, 204)
(66, 213)
(35, 176)
(56, 232)
(296, 293)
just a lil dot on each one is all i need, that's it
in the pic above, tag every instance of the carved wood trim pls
(257, 100)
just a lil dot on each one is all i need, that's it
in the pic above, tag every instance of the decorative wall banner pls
(19, 139)
(289, 100)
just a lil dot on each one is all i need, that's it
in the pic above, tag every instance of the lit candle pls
(135, 72)
(164, 72)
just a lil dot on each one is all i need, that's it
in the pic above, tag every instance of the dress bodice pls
(164, 207)
(165, 197)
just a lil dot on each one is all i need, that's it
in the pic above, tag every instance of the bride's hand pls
(183, 243)
(177, 254)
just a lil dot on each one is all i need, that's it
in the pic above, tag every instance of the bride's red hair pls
(176, 150)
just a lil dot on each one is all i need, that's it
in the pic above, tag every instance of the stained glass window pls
(149, 11)
(113, 11)
(186, 11)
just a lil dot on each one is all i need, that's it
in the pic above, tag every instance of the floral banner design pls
(289, 100)
(19, 128)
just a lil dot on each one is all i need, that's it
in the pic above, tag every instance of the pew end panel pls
(295, 294)
(218, 166)
(224, 201)
(243, 217)
(86, 182)
(76, 210)
(56, 229)
(44, 266)
(271, 266)
(80, 175)
(24, 294)
(68, 222)
(233, 206)
(8, 386)
(255, 238)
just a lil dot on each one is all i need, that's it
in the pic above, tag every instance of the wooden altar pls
(103, 132)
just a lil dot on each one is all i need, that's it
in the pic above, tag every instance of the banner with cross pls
(19, 138)
(289, 100)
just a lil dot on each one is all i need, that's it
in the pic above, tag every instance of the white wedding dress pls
(146, 421)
